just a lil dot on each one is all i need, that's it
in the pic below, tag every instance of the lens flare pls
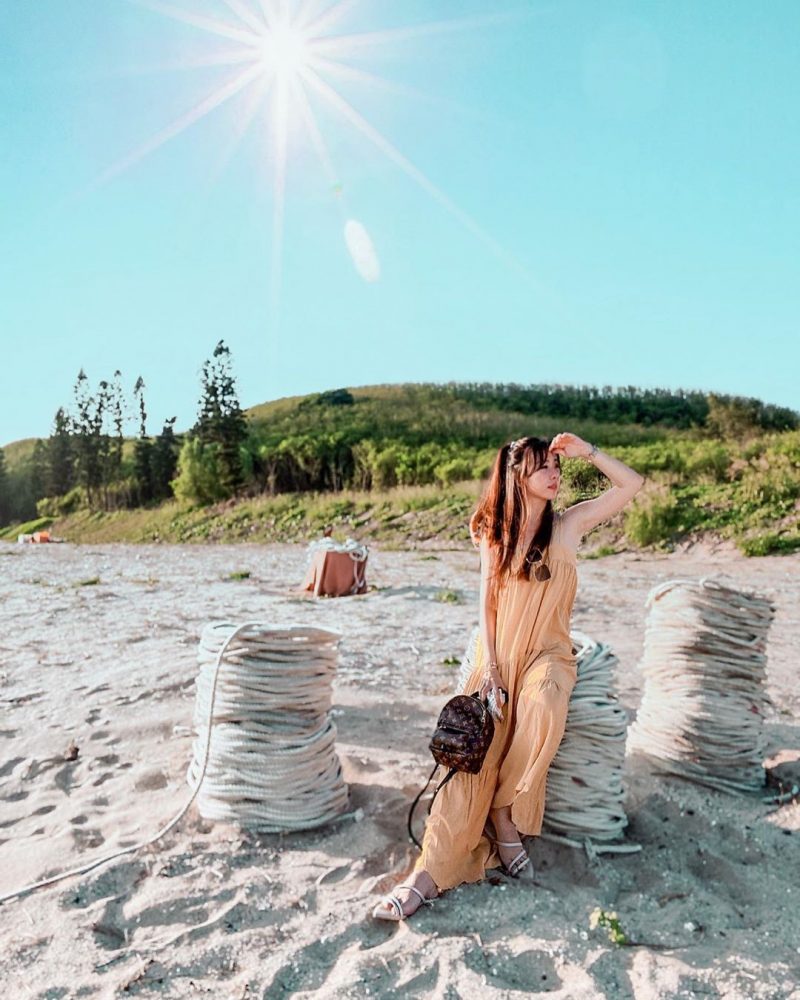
(362, 251)
(284, 55)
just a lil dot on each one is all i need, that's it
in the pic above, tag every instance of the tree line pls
(362, 439)
(679, 408)
(88, 461)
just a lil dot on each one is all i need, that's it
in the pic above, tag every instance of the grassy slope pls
(684, 495)
(19, 451)
(406, 516)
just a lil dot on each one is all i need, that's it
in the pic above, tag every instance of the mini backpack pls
(460, 742)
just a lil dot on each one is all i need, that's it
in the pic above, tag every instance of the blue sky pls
(618, 203)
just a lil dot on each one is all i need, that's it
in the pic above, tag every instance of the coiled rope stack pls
(585, 795)
(704, 701)
(270, 760)
(584, 805)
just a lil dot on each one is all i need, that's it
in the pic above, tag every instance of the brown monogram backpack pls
(460, 742)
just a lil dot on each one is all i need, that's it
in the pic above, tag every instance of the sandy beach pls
(97, 663)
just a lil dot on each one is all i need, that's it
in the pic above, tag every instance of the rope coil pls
(585, 794)
(705, 698)
(271, 758)
(358, 551)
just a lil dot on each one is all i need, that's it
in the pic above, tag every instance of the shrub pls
(384, 471)
(199, 473)
(60, 506)
(769, 544)
(456, 470)
(771, 479)
(447, 597)
(652, 519)
(709, 458)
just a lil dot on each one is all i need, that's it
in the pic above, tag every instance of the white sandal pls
(397, 906)
(520, 862)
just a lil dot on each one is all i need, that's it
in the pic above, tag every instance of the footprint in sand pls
(532, 971)
(10, 765)
(311, 967)
(15, 796)
(64, 778)
(151, 781)
(87, 838)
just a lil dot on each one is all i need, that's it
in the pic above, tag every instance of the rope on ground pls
(202, 745)
(358, 551)
(584, 804)
(271, 764)
(91, 865)
(705, 698)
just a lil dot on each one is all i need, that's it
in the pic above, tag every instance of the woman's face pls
(543, 482)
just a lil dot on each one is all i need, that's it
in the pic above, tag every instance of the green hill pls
(387, 459)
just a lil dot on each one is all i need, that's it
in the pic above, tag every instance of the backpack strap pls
(441, 785)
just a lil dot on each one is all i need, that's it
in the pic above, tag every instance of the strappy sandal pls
(397, 906)
(520, 862)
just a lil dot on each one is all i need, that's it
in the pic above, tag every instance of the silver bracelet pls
(592, 453)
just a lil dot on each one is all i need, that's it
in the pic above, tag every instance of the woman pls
(524, 662)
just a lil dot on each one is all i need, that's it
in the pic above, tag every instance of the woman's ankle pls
(503, 824)
(424, 882)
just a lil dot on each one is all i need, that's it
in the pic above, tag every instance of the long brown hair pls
(498, 515)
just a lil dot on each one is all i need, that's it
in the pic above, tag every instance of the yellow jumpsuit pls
(539, 670)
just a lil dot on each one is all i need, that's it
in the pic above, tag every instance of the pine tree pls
(117, 410)
(5, 494)
(88, 425)
(220, 420)
(164, 460)
(143, 450)
(38, 473)
(60, 475)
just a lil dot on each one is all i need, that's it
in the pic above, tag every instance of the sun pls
(288, 57)
(285, 52)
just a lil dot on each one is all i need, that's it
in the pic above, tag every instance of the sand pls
(97, 663)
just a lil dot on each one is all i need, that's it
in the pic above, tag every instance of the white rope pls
(271, 763)
(201, 748)
(91, 865)
(704, 700)
(585, 795)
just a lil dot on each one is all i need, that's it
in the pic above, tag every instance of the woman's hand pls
(492, 683)
(570, 446)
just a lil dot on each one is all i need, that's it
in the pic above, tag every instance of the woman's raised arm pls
(582, 517)
(487, 603)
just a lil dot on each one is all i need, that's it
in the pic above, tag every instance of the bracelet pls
(592, 453)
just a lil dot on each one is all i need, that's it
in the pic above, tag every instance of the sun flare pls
(289, 57)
